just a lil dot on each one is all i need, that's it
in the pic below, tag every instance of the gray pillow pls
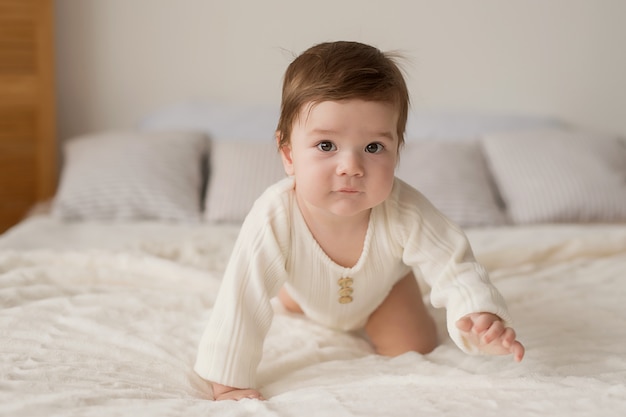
(131, 175)
(240, 171)
(453, 175)
(559, 176)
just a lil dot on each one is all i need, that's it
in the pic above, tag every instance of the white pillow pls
(131, 175)
(239, 173)
(453, 175)
(559, 175)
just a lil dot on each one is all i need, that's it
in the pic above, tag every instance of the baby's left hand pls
(486, 331)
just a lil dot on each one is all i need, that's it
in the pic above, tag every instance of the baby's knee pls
(426, 346)
(422, 347)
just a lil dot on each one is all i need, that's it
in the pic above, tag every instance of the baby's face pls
(343, 155)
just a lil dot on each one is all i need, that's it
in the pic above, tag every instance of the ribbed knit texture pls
(275, 248)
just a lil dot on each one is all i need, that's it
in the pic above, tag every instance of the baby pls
(341, 240)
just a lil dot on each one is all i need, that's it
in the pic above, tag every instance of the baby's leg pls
(288, 302)
(402, 322)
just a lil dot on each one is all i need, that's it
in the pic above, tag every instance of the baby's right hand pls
(224, 392)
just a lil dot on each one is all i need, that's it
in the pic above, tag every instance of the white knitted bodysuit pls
(275, 248)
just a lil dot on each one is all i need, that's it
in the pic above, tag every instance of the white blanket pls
(101, 332)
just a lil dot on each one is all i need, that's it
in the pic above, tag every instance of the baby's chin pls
(342, 205)
(349, 209)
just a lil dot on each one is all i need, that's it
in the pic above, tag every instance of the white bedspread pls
(112, 329)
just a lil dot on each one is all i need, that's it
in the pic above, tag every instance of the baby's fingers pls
(517, 350)
(483, 321)
(510, 342)
(240, 394)
(465, 324)
(497, 330)
(508, 337)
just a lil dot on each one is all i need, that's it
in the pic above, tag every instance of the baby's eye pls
(326, 146)
(374, 147)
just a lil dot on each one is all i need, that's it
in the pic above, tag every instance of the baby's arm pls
(224, 392)
(488, 334)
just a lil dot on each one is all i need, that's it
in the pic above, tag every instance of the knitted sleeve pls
(232, 344)
(438, 251)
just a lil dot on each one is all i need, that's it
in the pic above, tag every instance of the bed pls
(104, 294)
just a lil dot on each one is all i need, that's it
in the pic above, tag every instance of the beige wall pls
(118, 60)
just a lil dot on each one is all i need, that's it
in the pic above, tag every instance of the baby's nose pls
(350, 164)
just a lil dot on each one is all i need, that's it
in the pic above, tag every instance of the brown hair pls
(342, 70)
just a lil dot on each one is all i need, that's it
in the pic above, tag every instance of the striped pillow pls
(130, 175)
(559, 176)
(239, 173)
(453, 175)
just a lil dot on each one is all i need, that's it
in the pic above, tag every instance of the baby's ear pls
(285, 154)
